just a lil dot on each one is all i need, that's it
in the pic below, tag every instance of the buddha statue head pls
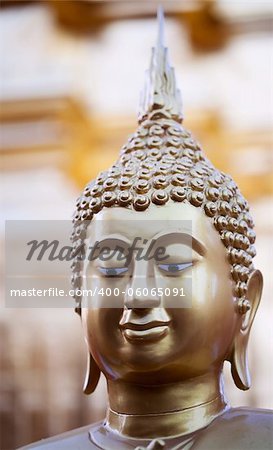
(162, 175)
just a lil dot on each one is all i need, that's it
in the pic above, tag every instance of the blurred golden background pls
(71, 73)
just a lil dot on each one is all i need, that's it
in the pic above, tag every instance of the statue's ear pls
(239, 363)
(92, 375)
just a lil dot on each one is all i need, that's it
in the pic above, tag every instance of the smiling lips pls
(150, 331)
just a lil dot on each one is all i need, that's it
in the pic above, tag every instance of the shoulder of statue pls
(238, 428)
(71, 440)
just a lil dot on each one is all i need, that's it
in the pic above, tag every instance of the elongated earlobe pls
(239, 362)
(239, 367)
(92, 375)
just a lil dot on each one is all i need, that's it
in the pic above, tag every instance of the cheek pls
(209, 326)
(212, 285)
(217, 299)
(104, 292)
(102, 334)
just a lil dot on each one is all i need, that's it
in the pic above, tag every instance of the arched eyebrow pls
(182, 238)
(115, 239)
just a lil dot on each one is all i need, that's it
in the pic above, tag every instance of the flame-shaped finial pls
(160, 95)
(160, 31)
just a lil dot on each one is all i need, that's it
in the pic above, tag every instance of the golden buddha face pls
(147, 338)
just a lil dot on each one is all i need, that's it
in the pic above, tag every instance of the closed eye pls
(174, 268)
(113, 271)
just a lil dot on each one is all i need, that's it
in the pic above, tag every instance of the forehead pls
(156, 220)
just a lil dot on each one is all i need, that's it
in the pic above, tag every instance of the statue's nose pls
(142, 292)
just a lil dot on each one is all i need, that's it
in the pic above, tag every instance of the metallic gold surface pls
(163, 364)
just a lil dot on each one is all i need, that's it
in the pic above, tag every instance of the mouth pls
(145, 332)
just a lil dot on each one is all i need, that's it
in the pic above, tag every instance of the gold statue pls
(163, 363)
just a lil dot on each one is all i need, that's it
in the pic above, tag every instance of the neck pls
(166, 410)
